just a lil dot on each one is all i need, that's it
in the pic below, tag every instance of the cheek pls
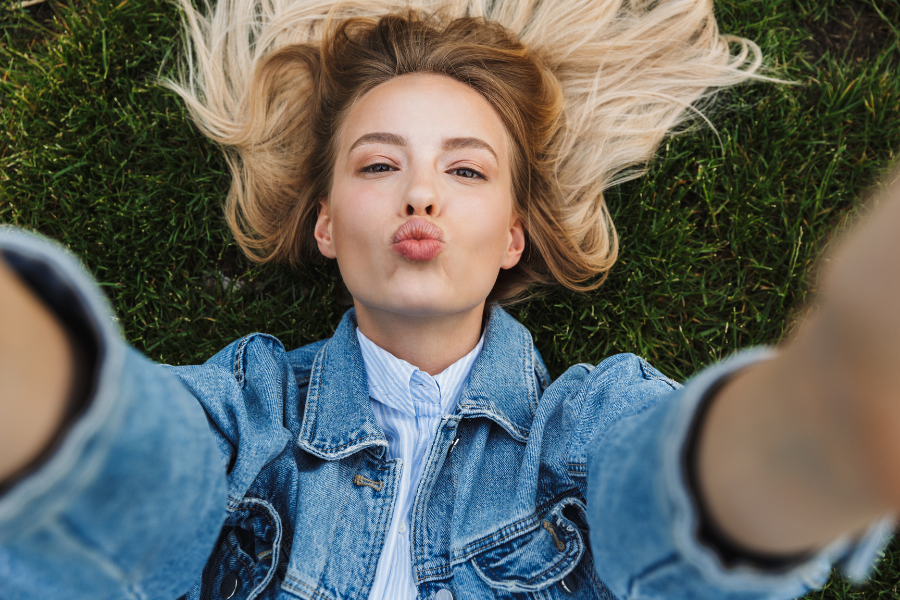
(485, 240)
(489, 230)
(357, 220)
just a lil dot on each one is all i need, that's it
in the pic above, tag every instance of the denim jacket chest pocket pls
(247, 554)
(544, 556)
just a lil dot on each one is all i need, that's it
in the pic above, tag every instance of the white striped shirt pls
(408, 404)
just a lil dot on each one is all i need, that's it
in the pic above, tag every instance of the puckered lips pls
(418, 240)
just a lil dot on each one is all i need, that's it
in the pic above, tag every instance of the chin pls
(419, 294)
(421, 303)
(424, 305)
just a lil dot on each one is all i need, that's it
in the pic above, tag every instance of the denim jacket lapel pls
(338, 419)
(506, 383)
(507, 379)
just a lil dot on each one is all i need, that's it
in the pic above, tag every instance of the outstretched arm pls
(800, 449)
(113, 482)
(763, 471)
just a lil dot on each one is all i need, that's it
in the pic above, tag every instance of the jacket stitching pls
(312, 404)
(650, 373)
(239, 559)
(554, 567)
(238, 364)
(333, 534)
(306, 590)
(576, 469)
(494, 543)
(529, 370)
(268, 512)
(517, 531)
(342, 446)
(482, 411)
(424, 570)
(566, 558)
(515, 528)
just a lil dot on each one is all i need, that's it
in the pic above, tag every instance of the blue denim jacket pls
(262, 473)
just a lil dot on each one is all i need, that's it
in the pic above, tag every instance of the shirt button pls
(402, 528)
(443, 594)
(229, 586)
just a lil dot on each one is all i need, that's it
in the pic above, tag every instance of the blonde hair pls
(587, 89)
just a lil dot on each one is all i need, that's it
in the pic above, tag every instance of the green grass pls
(718, 240)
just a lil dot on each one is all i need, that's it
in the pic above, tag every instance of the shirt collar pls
(403, 387)
(505, 384)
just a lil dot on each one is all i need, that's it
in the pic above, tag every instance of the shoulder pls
(595, 398)
(621, 377)
(626, 372)
(254, 361)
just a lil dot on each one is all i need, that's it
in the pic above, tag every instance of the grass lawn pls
(718, 240)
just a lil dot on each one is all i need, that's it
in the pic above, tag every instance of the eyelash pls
(477, 174)
(372, 169)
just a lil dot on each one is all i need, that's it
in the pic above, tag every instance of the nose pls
(422, 195)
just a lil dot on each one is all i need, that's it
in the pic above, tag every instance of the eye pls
(378, 168)
(467, 173)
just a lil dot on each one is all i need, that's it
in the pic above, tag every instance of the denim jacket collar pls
(338, 419)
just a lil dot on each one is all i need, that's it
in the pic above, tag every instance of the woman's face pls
(420, 216)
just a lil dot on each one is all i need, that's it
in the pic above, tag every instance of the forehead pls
(424, 109)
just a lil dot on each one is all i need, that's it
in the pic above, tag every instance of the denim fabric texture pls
(263, 473)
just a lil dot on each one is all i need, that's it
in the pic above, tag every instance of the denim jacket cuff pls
(855, 557)
(58, 277)
(132, 498)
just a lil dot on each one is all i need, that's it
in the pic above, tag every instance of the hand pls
(806, 447)
(37, 374)
(861, 317)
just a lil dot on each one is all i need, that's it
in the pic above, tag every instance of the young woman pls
(447, 160)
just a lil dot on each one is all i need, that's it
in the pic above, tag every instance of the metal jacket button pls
(443, 594)
(569, 584)
(229, 586)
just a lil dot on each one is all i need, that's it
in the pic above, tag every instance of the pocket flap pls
(247, 553)
(539, 555)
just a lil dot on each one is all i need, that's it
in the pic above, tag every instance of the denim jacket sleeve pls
(130, 502)
(644, 524)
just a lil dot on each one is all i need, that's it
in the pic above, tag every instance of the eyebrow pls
(379, 137)
(467, 142)
(383, 137)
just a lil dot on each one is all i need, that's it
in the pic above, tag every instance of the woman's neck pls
(430, 343)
